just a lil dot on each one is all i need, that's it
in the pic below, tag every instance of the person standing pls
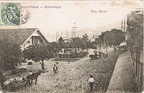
(114, 48)
(30, 72)
(55, 69)
(91, 82)
(57, 65)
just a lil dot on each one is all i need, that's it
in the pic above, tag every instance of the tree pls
(118, 36)
(39, 53)
(77, 42)
(97, 41)
(135, 30)
(82, 43)
(10, 52)
(61, 41)
(113, 37)
(69, 44)
(55, 46)
(86, 42)
(2, 79)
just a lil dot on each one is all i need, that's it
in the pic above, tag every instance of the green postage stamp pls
(13, 14)
(10, 13)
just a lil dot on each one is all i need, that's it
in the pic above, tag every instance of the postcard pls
(71, 46)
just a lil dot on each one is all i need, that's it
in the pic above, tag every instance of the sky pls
(52, 17)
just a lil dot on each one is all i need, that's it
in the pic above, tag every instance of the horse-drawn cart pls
(14, 84)
(97, 55)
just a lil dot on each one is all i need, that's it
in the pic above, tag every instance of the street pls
(73, 77)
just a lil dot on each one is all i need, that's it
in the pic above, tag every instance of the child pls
(30, 73)
(91, 82)
(57, 66)
(55, 69)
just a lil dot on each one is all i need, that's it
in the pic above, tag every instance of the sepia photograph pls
(71, 46)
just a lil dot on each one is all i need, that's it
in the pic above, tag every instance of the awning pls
(123, 44)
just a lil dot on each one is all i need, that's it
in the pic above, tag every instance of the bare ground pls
(73, 77)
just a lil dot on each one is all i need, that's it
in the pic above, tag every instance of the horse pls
(32, 77)
(93, 57)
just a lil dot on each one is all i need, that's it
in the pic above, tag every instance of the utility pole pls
(61, 34)
(123, 26)
(74, 34)
(56, 36)
(67, 34)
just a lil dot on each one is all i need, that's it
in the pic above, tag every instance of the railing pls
(138, 67)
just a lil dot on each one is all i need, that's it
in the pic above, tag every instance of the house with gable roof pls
(24, 36)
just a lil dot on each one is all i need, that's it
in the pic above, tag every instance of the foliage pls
(39, 53)
(78, 55)
(98, 41)
(135, 29)
(76, 42)
(113, 37)
(61, 41)
(54, 46)
(68, 45)
(10, 53)
(66, 59)
(82, 43)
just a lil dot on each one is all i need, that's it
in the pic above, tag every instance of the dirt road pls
(73, 77)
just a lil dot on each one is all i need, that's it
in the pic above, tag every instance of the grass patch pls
(66, 59)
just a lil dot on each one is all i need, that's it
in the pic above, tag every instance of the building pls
(128, 73)
(67, 39)
(135, 44)
(24, 36)
(135, 27)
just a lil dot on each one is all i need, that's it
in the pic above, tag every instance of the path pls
(73, 77)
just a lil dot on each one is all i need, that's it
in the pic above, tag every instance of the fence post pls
(141, 77)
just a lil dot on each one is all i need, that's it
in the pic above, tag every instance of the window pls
(28, 41)
(35, 39)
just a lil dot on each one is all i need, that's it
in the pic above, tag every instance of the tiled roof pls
(19, 35)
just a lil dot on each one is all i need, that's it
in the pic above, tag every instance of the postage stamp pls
(13, 14)
(10, 13)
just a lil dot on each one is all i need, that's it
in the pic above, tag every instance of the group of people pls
(91, 80)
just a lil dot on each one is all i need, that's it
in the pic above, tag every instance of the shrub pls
(17, 71)
(30, 63)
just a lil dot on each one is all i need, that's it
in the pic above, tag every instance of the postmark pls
(24, 16)
(13, 14)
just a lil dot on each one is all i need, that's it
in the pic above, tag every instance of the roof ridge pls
(18, 28)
